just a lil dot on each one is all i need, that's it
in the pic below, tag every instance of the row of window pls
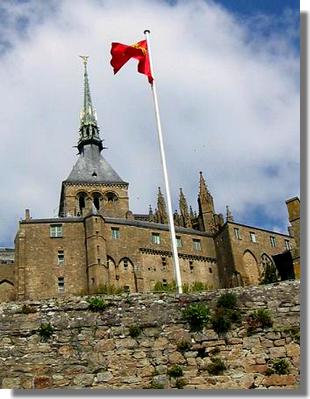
(273, 241)
(56, 230)
(156, 239)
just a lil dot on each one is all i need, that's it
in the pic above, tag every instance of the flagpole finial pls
(147, 31)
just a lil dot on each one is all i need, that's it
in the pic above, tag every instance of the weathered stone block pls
(42, 382)
(104, 377)
(277, 352)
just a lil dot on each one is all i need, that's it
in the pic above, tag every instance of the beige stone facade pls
(98, 242)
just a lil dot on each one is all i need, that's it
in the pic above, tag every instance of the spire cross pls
(84, 58)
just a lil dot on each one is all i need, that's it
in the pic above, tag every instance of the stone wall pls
(95, 349)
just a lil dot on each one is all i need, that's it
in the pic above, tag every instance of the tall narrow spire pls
(161, 208)
(229, 216)
(89, 131)
(186, 221)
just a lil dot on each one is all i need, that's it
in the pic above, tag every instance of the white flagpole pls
(163, 159)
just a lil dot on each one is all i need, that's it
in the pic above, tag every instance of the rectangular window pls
(115, 233)
(56, 230)
(61, 284)
(272, 241)
(165, 283)
(179, 241)
(252, 237)
(196, 244)
(237, 233)
(61, 257)
(155, 238)
(288, 245)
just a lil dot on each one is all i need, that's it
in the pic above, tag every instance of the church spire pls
(89, 131)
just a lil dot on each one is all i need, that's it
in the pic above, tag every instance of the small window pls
(252, 237)
(163, 261)
(56, 230)
(126, 288)
(165, 283)
(156, 238)
(93, 280)
(210, 270)
(61, 284)
(191, 266)
(196, 244)
(287, 245)
(272, 241)
(115, 233)
(61, 257)
(237, 233)
(125, 263)
(179, 241)
(117, 277)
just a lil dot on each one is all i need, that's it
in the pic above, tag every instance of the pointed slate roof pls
(91, 167)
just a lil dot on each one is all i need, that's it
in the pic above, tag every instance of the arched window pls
(110, 197)
(269, 271)
(82, 202)
(126, 265)
(96, 200)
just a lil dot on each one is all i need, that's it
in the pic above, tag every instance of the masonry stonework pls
(95, 349)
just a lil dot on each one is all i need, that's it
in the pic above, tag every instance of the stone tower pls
(92, 181)
(93, 191)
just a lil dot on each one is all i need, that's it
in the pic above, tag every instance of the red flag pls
(121, 53)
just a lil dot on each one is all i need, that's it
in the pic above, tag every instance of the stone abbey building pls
(98, 241)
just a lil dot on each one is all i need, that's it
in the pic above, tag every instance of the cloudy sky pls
(228, 82)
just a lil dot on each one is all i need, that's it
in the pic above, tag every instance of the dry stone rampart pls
(89, 349)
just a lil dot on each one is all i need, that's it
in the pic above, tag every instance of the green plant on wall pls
(225, 313)
(45, 331)
(164, 287)
(135, 331)
(278, 366)
(216, 367)
(175, 371)
(197, 316)
(96, 304)
(220, 321)
(180, 383)
(227, 301)
(260, 318)
(183, 346)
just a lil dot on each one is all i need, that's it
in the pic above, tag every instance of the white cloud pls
(229, 104)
